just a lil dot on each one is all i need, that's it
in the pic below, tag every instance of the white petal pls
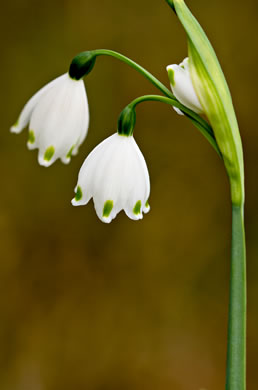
(86, 174)
(136, 192)
(106, 183)
(84, 118)
(65, 160)
(179, 112)
(185, 64)
(57, 119)
(146, 207)
(182, 87)
(138, 176)
(26, 113)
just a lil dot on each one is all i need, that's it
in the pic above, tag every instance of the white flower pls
(115, 175)
(58, 118)
(182, 86)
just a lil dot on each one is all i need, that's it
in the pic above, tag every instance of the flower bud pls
(182, 86)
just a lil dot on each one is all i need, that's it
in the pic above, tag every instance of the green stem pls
(84, 62)
(137, 67)
(204, 128)
(189, 113)
(236, 353)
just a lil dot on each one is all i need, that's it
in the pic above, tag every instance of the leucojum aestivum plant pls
(115, 173)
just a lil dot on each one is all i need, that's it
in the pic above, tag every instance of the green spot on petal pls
(69, 154)
(16, 123)
(49, 153)
(78, 194)
(171, 76)
(147, 204)
(137, 207)
(31, 138)
(107, 208)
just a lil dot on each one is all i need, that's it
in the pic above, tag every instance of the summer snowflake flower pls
(182, 86)
(58, 118)
(115, 175)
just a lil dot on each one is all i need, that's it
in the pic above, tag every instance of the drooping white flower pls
(58, 119)
(182, 86)
(115, 175)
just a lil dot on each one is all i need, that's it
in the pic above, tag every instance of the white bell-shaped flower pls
(115, 175)
(58, 119)
(182, 86)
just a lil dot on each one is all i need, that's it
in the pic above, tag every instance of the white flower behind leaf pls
(58, 119)
(115, 175)
(182, 86)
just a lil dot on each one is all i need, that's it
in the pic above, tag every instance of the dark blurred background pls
(130, 305)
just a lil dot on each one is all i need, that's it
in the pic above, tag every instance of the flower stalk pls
(127, 118)
(84, 62)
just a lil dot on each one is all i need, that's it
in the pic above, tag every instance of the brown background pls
(131, 305)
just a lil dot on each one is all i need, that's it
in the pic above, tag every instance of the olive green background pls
(130, 305)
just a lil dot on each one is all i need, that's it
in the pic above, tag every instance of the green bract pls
(126, 121)
(82, 65)
(214, 95)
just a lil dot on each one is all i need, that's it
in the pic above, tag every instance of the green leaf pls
(214, 95)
